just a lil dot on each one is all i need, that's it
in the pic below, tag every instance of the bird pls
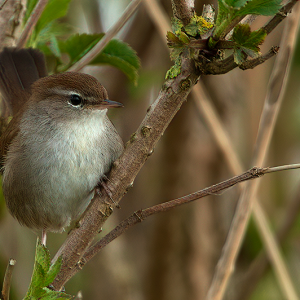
(59, 143)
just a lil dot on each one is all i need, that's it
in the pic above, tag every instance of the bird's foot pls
(106, 188)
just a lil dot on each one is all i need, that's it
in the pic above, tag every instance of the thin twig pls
(2, 5)
(141, 215)
(39, 8)
(7, 279)
(239, 224)
(130, 9)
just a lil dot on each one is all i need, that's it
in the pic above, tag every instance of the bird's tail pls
(19, 68)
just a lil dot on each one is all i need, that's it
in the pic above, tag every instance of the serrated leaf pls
(53, 271)
(121, 56)
(55, 9)
(261, 7)
(172, 38)
(183, 37)
(243, 37)
(223, 13)
(37, 281)
(42, 256)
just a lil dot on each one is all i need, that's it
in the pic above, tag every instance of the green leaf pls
(172, 38)
(184, 38)
(229, 10)
(175, 70)
(30, 6)
(43, 275)
(243, 36)
(261, 7)
(55, 9)
(122, 56)
(77, 45)
(176, 25)
(116, 53)
(246, 42)
(42, 256)
(235, 3)
(53, 271)
(37, 280)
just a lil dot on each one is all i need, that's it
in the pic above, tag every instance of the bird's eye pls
(76, 100)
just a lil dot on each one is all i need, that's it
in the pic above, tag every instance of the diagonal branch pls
(130, 9)
(39, 8)
(141, 215)
(125, 169)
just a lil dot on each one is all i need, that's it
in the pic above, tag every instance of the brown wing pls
(19, 69)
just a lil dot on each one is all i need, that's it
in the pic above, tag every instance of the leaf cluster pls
(43, 275)
(246, 43)
(55, 38)
(181, 37)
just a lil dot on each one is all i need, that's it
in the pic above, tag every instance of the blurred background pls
(173, 255)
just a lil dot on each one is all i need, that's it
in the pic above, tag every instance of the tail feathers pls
(19, 68)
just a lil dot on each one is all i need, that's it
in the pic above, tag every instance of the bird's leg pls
(106, 189)
(44, 237)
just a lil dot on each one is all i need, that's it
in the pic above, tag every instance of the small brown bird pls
(59, 143)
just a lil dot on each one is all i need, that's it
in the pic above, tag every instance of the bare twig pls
(7, 279)
(3, 3)
(141, 215)
(130, 9)
(272, 104)
(39, 8)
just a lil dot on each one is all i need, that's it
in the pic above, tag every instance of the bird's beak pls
(109, 103)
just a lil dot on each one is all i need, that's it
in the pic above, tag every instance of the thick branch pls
(183, 10)
(125, 169)
(11, 15)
